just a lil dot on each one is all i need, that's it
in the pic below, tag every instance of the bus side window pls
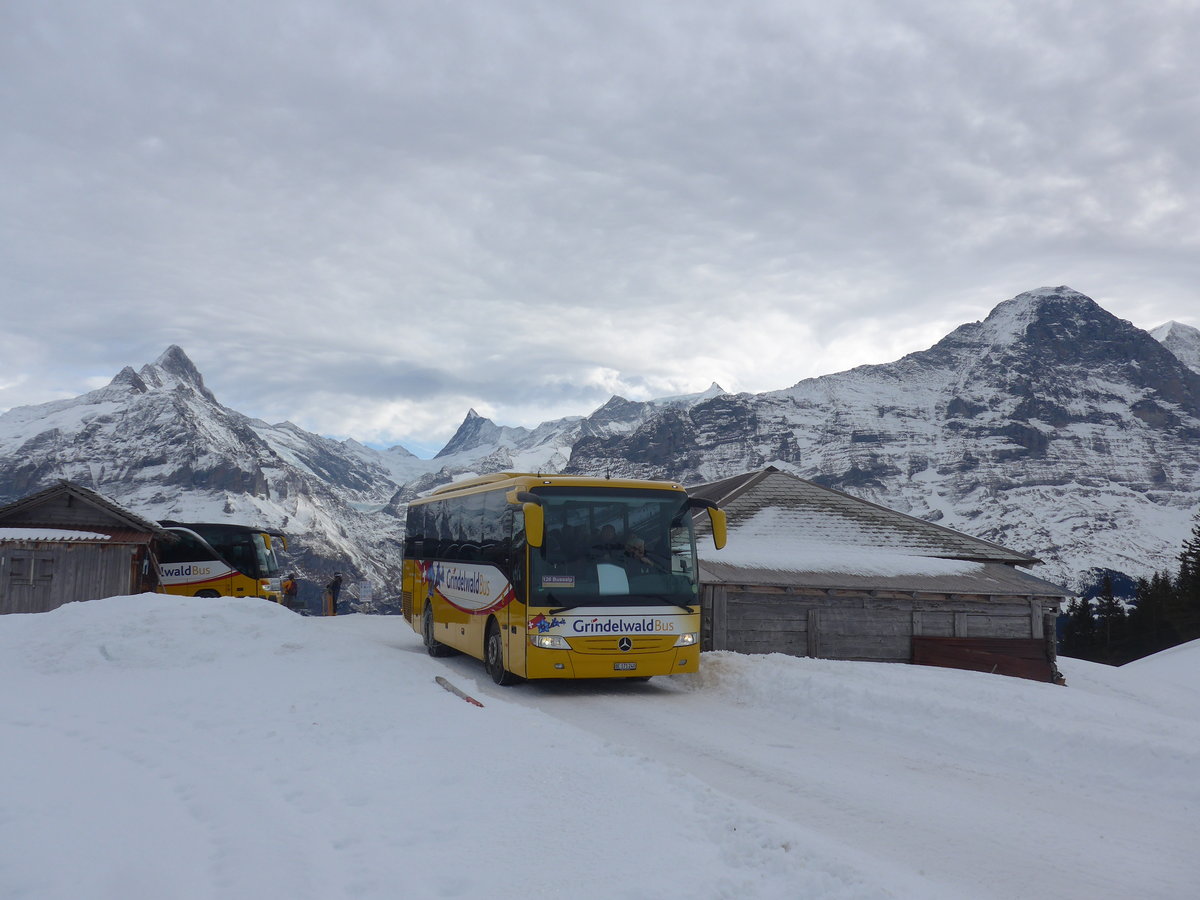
(238, 555)
(497, 525)
(414, 531)
(186, 549)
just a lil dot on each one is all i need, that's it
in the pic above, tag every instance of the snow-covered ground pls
(173, 747)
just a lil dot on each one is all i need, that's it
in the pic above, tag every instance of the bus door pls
(517, 568)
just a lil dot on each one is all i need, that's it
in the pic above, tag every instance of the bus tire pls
(207, 594)
(433, 646)
(493, 656)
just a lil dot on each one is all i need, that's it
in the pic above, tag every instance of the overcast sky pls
(368, 216)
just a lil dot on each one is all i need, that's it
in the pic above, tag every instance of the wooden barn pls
(68, 543)
(810, 571)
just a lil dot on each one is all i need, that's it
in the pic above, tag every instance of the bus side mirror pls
(535, 524)
(535, 519)
(716, 518)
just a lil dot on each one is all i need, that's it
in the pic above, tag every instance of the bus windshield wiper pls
(562, 609)
(685, 607)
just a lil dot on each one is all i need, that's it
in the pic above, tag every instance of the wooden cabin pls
(68, 543)
(811, 571)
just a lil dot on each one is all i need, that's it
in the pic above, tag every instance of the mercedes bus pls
(555, 576)
(220, 560)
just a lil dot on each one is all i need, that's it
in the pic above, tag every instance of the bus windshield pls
(268, 564)
(242, 548)
(614, 547)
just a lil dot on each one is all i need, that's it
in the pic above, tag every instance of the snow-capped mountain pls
(1182, 340)
(1051, 427)
(158, 442)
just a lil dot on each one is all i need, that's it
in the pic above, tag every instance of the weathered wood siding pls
(41, 576)
(844, 625)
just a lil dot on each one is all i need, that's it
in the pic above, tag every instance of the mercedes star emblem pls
(624, 644)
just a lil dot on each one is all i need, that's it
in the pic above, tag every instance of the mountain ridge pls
(1050, 426)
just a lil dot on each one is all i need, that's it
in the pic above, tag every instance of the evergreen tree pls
(1110, 625)
(1079, 630)
(1166, 612)
(1148, 626)
(1184, 606)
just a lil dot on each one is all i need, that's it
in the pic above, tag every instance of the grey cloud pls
(444, 202)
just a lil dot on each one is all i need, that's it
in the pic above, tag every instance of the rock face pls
(158, 442)
(1051, 427)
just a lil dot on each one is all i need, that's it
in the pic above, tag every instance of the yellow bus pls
(555, 576)
(220, 560)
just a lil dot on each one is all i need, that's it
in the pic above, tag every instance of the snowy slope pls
(1182, 340)
(1050, 427)
(158, 442)
(171, 747)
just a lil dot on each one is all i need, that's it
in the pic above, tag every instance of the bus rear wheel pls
(493, 657)
(433, 646)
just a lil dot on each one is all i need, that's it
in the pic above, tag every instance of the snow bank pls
(166, 746)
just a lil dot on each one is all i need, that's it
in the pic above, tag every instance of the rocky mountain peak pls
(475, 431)
(1040, 314)
(174, 369)
(1057, 339)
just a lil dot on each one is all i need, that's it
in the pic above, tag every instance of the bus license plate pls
(621, 667)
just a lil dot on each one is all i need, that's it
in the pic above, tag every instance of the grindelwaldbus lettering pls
(468, 587)
(622, 626)
(191, 570)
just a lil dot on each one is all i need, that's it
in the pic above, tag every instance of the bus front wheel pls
(433, 646)
(493, 656)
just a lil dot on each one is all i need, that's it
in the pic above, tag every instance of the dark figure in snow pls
(331, 594)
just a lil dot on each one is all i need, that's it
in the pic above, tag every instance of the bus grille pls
(642, 643)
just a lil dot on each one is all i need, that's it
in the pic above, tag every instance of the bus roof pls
(527, 480)
(229, 526)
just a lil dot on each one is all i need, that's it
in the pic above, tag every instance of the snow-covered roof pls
(773, 509)
(784, 530)
(50, 534)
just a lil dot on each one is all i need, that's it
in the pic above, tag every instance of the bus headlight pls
(549, 641)
(686, 640)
